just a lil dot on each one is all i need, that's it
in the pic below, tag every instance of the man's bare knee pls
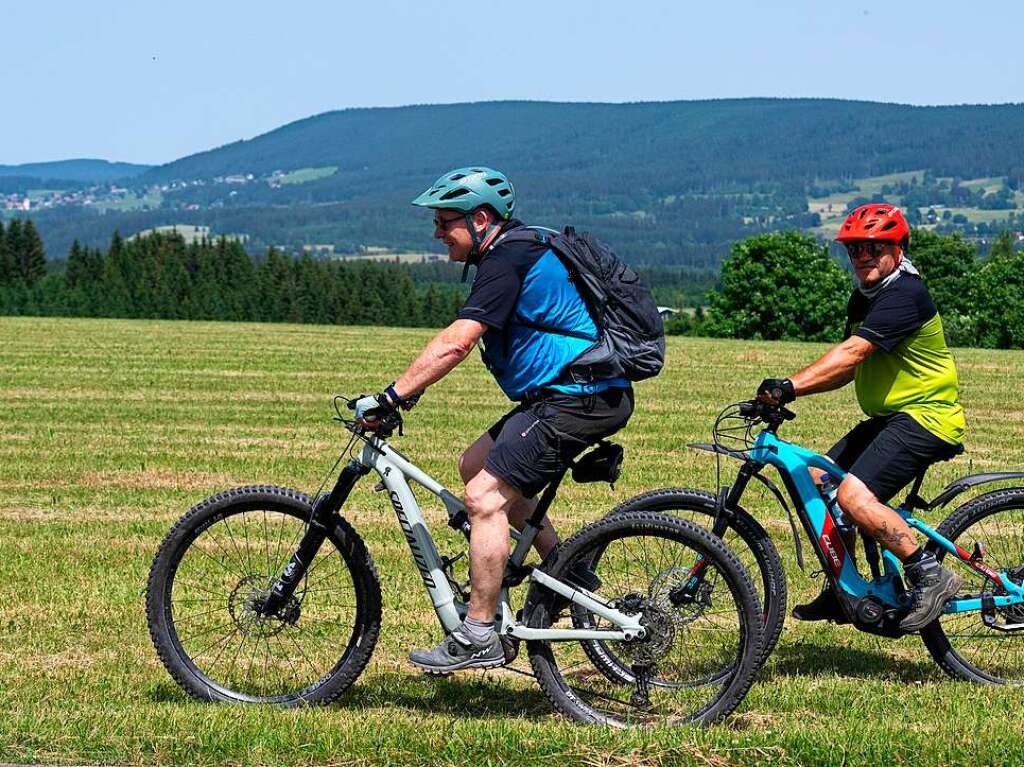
(487, 495)
(854, 496)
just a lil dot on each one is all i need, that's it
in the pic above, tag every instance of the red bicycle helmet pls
(875, 221)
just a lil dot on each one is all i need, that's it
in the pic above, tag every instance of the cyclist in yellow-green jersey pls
(895, 352)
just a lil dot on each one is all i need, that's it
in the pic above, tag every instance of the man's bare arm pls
(444, 352)
(834, 369)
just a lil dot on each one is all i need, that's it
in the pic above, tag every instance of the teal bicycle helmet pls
(466, 189)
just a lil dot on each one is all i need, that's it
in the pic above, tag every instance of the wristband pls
(392, 397)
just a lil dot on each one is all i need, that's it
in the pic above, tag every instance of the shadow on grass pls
(168, 692)
(821, 659)
(473, 694)
(476, 695)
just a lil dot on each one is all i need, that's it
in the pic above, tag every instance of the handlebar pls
(384, 425)
(767, 412)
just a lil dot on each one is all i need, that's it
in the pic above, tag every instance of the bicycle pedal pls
(978, 553)
(510, 646)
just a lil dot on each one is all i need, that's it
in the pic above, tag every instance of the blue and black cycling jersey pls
(537, 323)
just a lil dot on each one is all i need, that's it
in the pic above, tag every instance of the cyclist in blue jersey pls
(533, 324)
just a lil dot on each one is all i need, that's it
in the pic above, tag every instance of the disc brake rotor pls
(668, 582)
(244, 600)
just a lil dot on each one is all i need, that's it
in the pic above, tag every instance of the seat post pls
(913, 499)
(513, 568)
(545, 500)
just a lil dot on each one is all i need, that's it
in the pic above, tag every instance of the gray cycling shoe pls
(457, 652)
(933, 585)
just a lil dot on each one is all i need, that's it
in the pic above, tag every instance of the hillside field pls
(110, 430)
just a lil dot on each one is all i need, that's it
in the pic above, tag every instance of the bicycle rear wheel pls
(962, 645)
(744, 536)
(218, 563)
(675, 672)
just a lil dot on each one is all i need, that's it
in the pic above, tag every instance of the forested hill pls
(84, 170)
(668, 183)
(622, 149)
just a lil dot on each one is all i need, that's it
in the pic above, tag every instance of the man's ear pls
(481, 219)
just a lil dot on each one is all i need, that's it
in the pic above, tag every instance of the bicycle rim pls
(682, 670)
(984, 653)
(220, 577)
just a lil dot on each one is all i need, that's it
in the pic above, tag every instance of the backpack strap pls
(550, 329)
(543, 236)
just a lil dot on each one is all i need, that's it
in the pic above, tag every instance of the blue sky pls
(149, 82)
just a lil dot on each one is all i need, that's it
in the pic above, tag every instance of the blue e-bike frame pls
(793, 462)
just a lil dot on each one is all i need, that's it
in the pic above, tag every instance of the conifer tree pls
(75, 271)
(433, 306)
(115, 297)
(12, 255)
(32, 255)
(8, 266)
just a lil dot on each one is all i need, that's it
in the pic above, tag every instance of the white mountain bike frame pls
(396, 471)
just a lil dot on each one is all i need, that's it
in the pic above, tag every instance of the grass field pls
(832, 208)
(110, 430)
(131, 202)
(303, 175)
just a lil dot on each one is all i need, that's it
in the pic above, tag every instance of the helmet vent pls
(494, 181)
(888, 225)
(457, 176)
(478, 170)
(504, 192)
(454, 193)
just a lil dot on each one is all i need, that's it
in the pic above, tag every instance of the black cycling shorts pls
(534, 442)
(887, 453)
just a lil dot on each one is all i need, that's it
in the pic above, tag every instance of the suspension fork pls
(728, 501)
(324, 507)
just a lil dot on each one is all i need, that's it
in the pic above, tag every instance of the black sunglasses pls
(444, 223)
(873, 249)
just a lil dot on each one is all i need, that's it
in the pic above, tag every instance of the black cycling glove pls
(779, 391)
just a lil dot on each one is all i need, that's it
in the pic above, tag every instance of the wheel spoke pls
(214, 609)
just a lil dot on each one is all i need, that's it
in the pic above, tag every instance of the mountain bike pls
(264, 594)
(980, 635)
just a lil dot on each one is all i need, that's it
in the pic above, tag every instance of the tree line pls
(161, 276)
(778, 285)
(787, 286)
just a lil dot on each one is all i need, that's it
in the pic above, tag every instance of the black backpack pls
(631, 332)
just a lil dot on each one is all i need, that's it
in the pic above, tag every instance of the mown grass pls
(110, 430)
(302, 175)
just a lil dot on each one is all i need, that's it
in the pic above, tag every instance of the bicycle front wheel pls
(218, 563)
(744, 536)
(675, 671)
(962, 645)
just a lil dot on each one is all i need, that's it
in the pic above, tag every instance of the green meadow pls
(110, 430)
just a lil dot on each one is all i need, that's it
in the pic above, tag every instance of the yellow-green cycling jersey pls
(912, 371)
